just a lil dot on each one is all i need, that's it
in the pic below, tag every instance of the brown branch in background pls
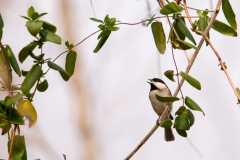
(161, 3)
(64, 156)
(169, 108)
(5, 87)
(12, 139)
(88, 147)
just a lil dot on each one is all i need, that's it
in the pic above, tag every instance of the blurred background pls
(103, 111)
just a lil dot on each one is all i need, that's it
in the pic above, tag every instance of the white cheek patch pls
(159, 85)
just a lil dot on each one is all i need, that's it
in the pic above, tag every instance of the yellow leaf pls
(26, 109)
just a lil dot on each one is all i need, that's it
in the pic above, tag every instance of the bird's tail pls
(169, 134)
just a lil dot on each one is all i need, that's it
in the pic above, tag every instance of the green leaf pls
(182, 27)
(102, 40)
(180, 110)
(1, 33)
(101, 26)
(13, 116)
(26, 18)
(24, 73)
(50, 36)
(167, 123)
(169, 75)
(166, 99)
(42, 14)
(182, 133)
(62, 72)
(96, 20)
(229, 14)
(111, 28)
(192, 81)
(5, 73)
(12, 60)
(24, 53)
(34, 27)
(70, 62)
(181, 123)
(33, 75)
(35, 16)
(111, 21)
(6, 128)
(4, 122)
(14, 99)
(193, 105)
(185, 45)
(68, 45)
(205, 13)
(176, 27)
(224, 28)
(104, 33)
(49, 26)
(189, 116)
(159, 36)
(1, 21)
(199, 13)
(171, 8)
(31, 10)
(202, 25)
(18, 148)
(43, 86)
(106, 19)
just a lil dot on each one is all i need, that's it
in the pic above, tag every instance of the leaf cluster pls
(107, 26)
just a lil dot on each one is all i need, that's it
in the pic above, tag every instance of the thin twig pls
(169, 108)
(73, 47)
(93, 9)
(175, 63)
(12, 139)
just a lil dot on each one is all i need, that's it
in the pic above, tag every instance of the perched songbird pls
(160, 88)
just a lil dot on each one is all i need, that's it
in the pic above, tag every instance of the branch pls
(214, 50)
(221, 62)
(11, 145)
(169, 108)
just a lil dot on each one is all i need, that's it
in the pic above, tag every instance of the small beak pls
(150, 81)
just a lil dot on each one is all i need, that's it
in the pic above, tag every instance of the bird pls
(160, 88)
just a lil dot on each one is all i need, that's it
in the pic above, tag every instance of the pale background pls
(103, 112)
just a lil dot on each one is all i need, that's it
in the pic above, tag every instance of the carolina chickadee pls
(160, 88)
